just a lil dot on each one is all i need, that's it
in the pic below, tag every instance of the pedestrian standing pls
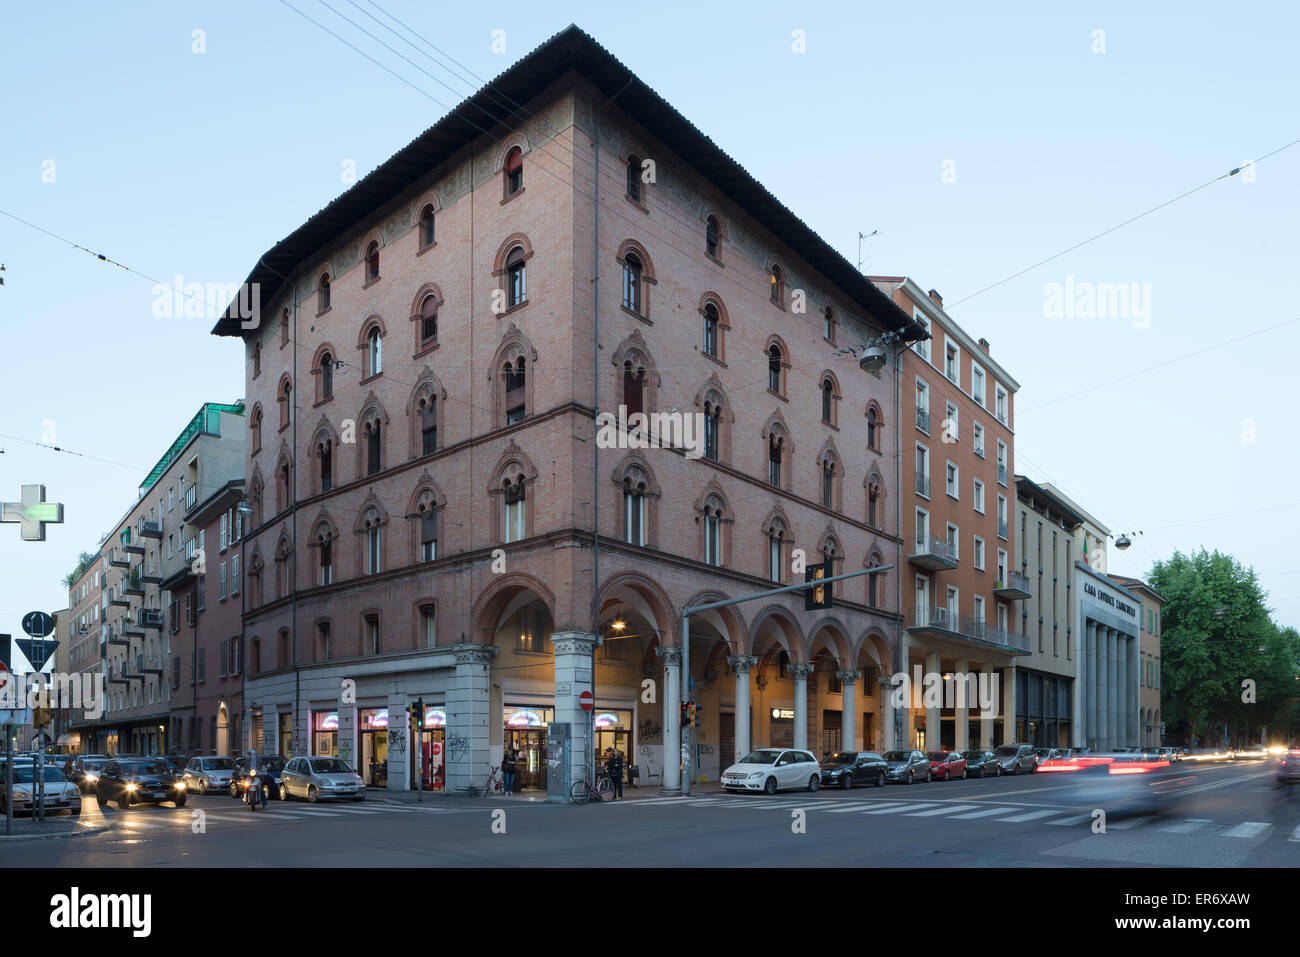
(509, 761)
(614, 767)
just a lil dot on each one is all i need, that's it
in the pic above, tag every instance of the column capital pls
(741, 664)
(671, 655)
(801, 672)
(850, 676)
(472, 654)
(575, 642)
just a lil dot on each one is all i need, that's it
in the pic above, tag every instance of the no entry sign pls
(587, 701)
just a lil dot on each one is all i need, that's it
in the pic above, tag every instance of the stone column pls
(961, 706)
(468, 714)
(573, 676)
(987, 677)
(1134, 699)
(672, 699)
(849, 709)
(399, 741)
(1112, 689)
(1009, 705)
(741, 665)
(1121, 691)
(800, 674)
(933, 728)
(1103, 704)
(1089, 677)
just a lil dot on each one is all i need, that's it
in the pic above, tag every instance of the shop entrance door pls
(431, 756)
(531, 747)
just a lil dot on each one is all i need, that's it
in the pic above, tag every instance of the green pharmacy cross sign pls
(33, 513)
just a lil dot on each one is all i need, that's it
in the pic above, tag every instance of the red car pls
(946, 765)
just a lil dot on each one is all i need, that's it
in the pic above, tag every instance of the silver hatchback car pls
(207, 775)
(319, 778)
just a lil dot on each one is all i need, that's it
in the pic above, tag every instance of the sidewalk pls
(437, 798)
(26, 829)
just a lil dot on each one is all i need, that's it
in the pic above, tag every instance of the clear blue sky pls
(180, 163)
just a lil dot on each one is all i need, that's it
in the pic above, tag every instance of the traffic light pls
(41, 713)
(686, 715)
(695, 715)
(417, 714)
(819, 596)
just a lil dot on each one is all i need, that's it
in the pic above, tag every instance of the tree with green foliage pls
(84, 561)
(1217, 636)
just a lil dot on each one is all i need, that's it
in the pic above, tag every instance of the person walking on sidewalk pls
(509, 763)
(614, 767)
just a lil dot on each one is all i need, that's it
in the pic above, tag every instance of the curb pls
(81, 832)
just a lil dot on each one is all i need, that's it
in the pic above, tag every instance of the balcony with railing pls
(191, 496)
(933, 554)
(923, 485)
(151, 573)
(150, 529)
(923, 420)
(149, 618)
(944, 623)
(118, 561)
(133, 585)
(120, 600)
(1002, 529)
(113, 638)
(1016, 585)
(1002, 474)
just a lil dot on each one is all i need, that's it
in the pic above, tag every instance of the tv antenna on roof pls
(862, 236)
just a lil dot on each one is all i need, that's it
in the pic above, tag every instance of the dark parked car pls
(946, 765)
(846, 769)
(131, 781)
(1017, 758)
(85, 771)
(982, 764)
(907, 766)
(268, 769)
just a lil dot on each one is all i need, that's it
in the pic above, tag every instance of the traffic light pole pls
(687, 733)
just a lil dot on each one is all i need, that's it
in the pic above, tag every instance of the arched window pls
(514, 379)
(712, 237)
(426, 226)
(634, 510)
(712, 515)
(712, 430)
(326, 376)
(257, 359)
(873, 581)
(632, 283)
(513, 500)
(774, 448)
(255, 426)
(514, 170)
(428, 319)
(282, 398)
(428, 411)
(777, 279)
(428, 533)
(711, 330)
(325, 458)
(828, 324)
(775, 551)
(374, 352)
(873, 503)
(828, 400)
(633, 387)
(325, 554)
(634, 178)
(283, 479)
(323, 293)
(373, 446)
(872, 437)
(284, 323)
(775, 365)
(372, 262)
(828, 480)
(516, 278)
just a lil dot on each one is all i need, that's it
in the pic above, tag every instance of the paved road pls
(1232, 817)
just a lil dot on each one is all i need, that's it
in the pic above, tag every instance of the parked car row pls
(780, 769)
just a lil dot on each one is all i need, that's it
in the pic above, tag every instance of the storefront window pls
(525, 732)
(325, 733)
(432, 749)
(286, 735)
(374, 747)
(614, 730)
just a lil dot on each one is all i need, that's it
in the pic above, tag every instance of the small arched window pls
(828, 324)
(372, 262)
(374, 352)
(634, 178)
(428, 424)
(632, 283)
(514, 170)
(774, 444)
(426, 226)
(326, 376)
(711, 323)
(323, 293)
(774, 363)
(712, 237)
(514, 376)
(872, 430)
(257, 359)
(634, 511)
(325, 452)
(255, 426)
(514, 504)
(516, 278)
(712, 428)
(775, 551)
(828, 482)
(713, 532)
(777, 280)
(374, 448)
(428, 319)
(282, 398)
(828, 400)
(633, 388)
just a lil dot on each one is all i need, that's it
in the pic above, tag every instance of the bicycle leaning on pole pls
(583, 791)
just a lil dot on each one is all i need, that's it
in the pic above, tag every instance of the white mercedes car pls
(773, 769)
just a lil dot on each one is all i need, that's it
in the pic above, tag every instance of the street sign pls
(4, 675)
(586, 701)
(37, 624)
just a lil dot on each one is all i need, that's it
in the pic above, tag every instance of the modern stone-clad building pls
(1150, 722)
(436, 514)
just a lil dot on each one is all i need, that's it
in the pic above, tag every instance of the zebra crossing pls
(1002, 813)
(238, 816)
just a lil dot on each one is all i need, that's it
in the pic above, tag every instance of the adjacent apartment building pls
(960, 583)
(454, 495)
(1151, 602)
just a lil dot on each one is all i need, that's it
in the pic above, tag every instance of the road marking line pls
(896, 810)
(986, 812)
(1248, 829)
(944, 810)
(1071, 820)
(1126, 824)
(1186, 827)
(1295, 835)
(857, 806)
(1029, 816)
